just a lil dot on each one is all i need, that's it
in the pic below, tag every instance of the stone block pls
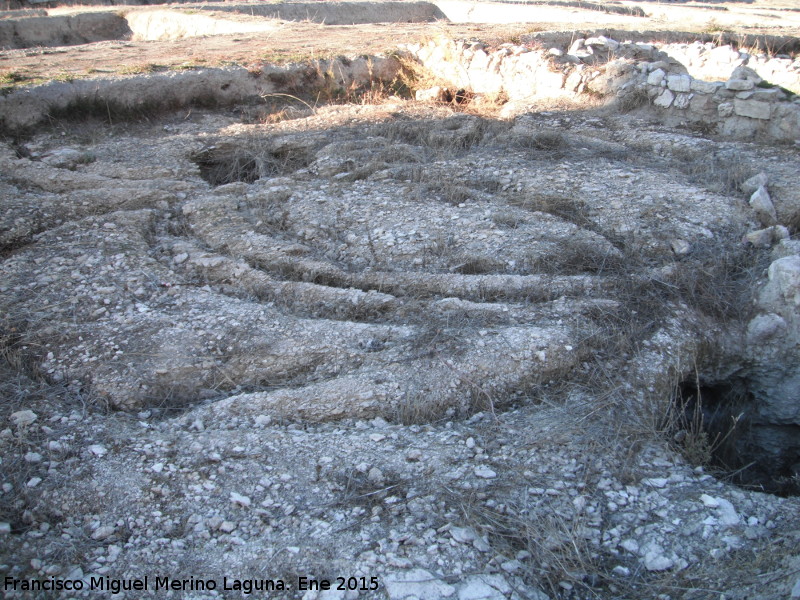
(602, 42)
(755, 182)
(766, 326)
(682, 101)
(480, 60)
(656, 77)
(435, 94)
(705, 87)
(770, 95)
(679, 83)
(746, 73)
(762, 205)
(784, 274)
(725, 109)
(739, 85)
(664, 99)
(766, 238)
(740, 127)
(573, 81)
(724, 54)
(701, 103)
(752, 108)
(576, 46)
(785, 122)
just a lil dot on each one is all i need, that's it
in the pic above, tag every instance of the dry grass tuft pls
(229, 163)
(722, 172)
(634, 99)
(558, 552)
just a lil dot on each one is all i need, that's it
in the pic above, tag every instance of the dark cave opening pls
(717, 425)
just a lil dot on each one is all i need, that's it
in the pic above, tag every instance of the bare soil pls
(294, 41)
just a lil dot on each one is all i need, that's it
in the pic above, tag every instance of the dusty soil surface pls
(294, 42)
(300, 41)
(421, 348)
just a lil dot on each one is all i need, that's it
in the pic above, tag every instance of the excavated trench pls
(21, 30)
(421, 264)
(269, 321)
(717, 424)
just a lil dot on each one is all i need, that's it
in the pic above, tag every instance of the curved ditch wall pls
(145, 94)
(165, 23)
(68, 30)
(171, 25)
(513, 11)
(341, 13)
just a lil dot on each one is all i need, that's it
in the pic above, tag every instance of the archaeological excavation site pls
(469, 300)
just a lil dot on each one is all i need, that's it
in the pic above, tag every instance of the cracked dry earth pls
(387, 341)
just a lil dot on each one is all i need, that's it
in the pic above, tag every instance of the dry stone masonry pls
(632, 74)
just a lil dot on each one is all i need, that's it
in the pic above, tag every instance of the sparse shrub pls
(718, 278)
(557, 551)
(721, 172)
(768, 86)
(546, 143)
(137, 69)
(12, 77)
(228, 164)
(704, 128)
(548, 140)
(712, 26)
(559, 205)
(507, 220)
(574, 258)
(359, 488)
(635, 98)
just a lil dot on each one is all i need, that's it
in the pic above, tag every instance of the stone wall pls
(709, 62)
(739, 106)
(630, 74)
(516, 71)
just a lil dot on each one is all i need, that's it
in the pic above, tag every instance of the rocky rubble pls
(271, 351)
(633, 75)
(454, 510)
(709, 62)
